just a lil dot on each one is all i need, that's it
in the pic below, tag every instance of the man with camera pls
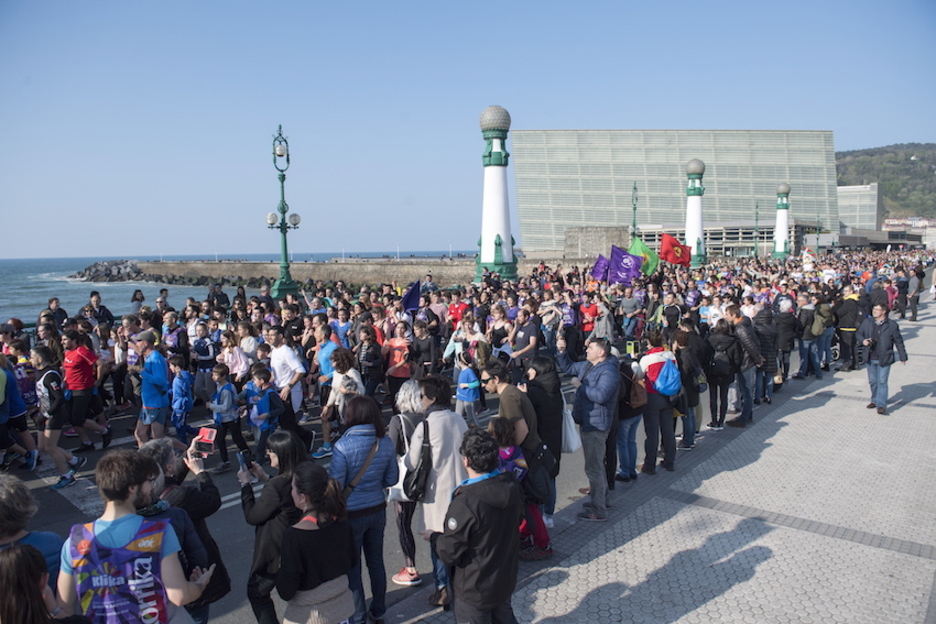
(880, 336)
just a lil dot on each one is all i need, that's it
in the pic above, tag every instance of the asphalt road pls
(59, 510)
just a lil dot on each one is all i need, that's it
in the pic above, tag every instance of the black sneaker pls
(84, 448)
(106, 437)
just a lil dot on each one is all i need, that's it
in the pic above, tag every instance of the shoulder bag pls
(395, 492)
(414, 484)
(357, 478)
(571, 440)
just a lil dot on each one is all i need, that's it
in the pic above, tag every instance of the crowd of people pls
(400, 386)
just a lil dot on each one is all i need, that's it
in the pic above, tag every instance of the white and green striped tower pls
(781, 235)
(496, 244)
(695, 236)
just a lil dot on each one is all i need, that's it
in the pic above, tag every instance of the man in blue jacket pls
(594, 409)
(880, 336)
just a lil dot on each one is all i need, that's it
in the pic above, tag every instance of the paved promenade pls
(822, 511)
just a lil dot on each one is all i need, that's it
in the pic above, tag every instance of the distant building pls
(861, 206)
(584, 178)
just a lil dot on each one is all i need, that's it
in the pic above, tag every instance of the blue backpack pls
(668, 382)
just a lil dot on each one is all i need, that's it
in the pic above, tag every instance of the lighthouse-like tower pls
(695, 238)
(496, 244)
(781, 234)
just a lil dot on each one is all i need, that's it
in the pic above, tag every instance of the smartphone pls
(204, 443)
(243, 458)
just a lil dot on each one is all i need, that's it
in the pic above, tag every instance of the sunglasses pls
(486, 379)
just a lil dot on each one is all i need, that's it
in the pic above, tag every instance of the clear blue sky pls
(136, 128)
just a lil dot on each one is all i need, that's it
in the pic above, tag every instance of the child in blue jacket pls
(182, 398)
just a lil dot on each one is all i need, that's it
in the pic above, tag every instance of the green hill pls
(906, 173)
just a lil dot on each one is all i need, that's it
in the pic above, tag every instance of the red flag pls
(673, 252)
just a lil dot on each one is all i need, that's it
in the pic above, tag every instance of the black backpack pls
(721, 365)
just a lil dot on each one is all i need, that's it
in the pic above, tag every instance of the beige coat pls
(446, 429)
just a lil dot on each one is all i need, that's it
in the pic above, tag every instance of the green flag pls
(651, 260)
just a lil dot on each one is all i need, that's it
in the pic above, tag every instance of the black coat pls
(689, 369)
(726, 347)
(888, 340)
(767, 334)
(271, 515)
(747, 339)
(544, 393)
(481, 541)
(200, 501)
(848, 313)
(786, 331)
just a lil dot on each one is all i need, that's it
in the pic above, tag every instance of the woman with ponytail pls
(317, 553)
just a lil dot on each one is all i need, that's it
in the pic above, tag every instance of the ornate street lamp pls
(633, 227)
(285, 284)
(756, 230)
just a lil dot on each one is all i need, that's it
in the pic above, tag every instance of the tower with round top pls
(695, 238)
(495, 246)
(782, 227)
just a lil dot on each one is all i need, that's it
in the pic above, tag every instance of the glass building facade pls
(861, 206)
(585, 177)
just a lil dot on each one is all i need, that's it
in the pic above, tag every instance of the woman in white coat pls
(446, 429)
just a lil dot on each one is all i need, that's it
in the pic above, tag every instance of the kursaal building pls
(575, 178)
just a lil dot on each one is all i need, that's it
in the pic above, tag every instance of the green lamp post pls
(633, 227)
(756, 230)
(285, 284)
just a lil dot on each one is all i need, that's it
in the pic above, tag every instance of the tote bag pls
(571, 440)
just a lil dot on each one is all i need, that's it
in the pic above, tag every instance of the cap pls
(146, 336)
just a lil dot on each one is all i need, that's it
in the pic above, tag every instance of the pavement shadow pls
(690, 579)
(912, 392)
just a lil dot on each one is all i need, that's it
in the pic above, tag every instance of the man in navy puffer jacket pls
(594, 409)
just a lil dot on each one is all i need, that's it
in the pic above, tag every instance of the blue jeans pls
(368, 532)
(549, 338)
(439, 570)
(824, 346)
(877, 377)
(809, 352)
(627, 445)
(688, 427)
(746, 392)
(549, 507)
(763, 386)
(629, 327)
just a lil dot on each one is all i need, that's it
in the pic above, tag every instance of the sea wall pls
(445, 272)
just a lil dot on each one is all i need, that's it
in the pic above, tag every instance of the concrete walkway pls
(822, 511)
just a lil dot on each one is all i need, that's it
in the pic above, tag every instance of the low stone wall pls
(359, 271)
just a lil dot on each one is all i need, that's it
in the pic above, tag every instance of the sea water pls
(26, 285)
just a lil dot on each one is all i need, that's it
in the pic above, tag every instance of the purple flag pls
(623, 267)
(600, 270)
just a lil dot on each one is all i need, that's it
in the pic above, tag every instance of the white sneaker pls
(548, 521)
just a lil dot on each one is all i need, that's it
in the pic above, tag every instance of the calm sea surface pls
(26, 285)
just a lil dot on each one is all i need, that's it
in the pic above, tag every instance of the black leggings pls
(221, 441)
(404, 522)
(718, 400)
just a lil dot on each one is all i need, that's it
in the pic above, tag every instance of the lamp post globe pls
(284, 285)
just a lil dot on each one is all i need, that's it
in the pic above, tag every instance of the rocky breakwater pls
(110, 271)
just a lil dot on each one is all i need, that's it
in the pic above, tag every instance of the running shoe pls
(84, 448)
(8, 460)
(322, 453)
(548, 521)
(32, 460)
(64, 481)
(222, 467)
(106, 437)
(406, 578)
(70, 433)
(79, 464)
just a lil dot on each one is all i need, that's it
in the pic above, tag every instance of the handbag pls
(542, 456)
(395, 492)
(357, 478)
(571, 440)
(414, 483)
